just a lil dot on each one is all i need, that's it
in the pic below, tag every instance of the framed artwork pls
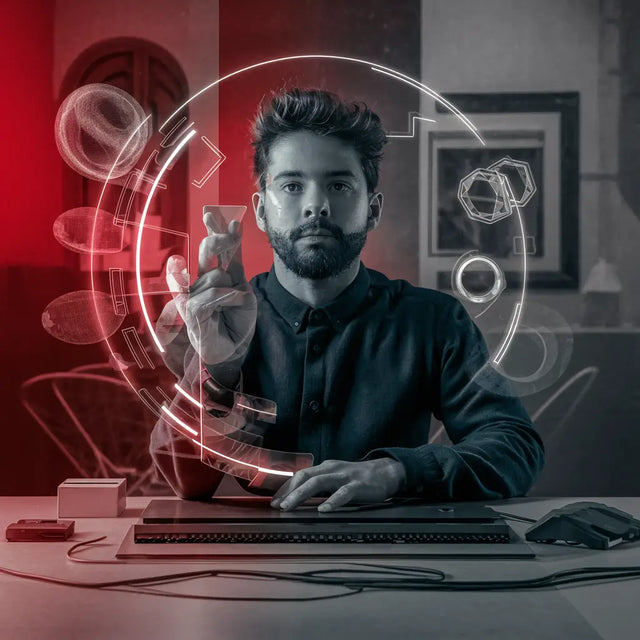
(541, 129)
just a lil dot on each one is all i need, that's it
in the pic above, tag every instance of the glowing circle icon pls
(464, 263)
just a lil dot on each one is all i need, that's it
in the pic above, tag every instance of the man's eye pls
(341, 187)
(292, 187)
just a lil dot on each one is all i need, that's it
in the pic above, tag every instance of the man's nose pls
(317, 204)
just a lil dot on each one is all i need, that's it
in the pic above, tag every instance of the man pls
(356, 363)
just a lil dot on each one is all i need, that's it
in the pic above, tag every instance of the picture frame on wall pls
(541, 129)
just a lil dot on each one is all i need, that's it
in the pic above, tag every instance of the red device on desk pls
(40, 530)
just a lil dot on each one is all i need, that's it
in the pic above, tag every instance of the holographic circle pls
(538, 354)
(458, 271)
(101, 131)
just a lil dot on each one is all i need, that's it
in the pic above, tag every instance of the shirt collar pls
(296, 312)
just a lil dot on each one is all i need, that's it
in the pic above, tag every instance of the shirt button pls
(317, 349)
(314, 405)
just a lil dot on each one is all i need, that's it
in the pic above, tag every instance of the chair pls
(97, 421)
(552, 424)
(565, 475)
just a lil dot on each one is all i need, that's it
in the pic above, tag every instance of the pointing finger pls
(212, 250)
(231, 258)
(176, 275)
(210, 223)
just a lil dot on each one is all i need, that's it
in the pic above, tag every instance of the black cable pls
(587, 574)
(397, 570)
(420, 579)
(138, 585)
(195, 596)
(73, 558)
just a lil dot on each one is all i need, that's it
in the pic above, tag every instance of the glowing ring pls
(537, 373)
(498, 283)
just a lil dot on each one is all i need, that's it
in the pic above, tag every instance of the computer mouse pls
(593, 524)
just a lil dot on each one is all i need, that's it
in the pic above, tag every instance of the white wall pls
(523, 46)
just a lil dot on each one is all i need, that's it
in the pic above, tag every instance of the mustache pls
(320, 224)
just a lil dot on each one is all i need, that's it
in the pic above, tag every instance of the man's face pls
(315, 208)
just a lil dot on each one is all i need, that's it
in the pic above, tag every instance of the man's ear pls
(258, 208)
(375, 211)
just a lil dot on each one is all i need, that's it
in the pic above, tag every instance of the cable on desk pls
(73, 558)
(358, 580)
(195, 596)
(139, 585)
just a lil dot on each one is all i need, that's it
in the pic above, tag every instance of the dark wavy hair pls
(323, 113)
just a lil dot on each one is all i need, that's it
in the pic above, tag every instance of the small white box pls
(92, 497)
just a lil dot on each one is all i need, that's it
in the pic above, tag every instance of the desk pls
(31, 609)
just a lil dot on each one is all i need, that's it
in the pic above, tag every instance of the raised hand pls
(220, 308)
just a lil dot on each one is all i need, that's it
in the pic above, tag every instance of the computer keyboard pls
(317, 537)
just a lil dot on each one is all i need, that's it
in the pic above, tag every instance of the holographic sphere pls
(101, 131)
(89, 230)
(81, 317)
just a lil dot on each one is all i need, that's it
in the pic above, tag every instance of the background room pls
(554, 82)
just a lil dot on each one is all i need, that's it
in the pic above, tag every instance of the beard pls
(317, 261)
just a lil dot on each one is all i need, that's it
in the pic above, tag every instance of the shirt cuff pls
(423, 471)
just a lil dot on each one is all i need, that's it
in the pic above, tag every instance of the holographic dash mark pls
(150, 401)
(187, 396)
(137, 182)
(116, 284)
(176, 132)
(221, 158)
(246, 464)
(177, 420)
(513, 325)
(524, 245)
(136, 348)
(411, 131)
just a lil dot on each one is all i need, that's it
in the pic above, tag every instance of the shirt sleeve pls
(496, 452)
(175, 456)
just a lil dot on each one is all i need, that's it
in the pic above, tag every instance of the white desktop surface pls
(31, 609)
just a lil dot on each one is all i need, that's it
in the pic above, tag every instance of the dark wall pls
(29, 165)
(31, 272)
(628, 161)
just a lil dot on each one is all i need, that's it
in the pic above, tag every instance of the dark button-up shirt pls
(362, 377)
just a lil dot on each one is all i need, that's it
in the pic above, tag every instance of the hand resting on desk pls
(368, 481)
